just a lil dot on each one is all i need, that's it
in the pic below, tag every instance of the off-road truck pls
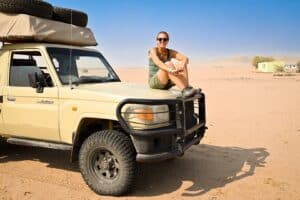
(70, 98)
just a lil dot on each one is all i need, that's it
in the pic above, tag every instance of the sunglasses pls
(163, 39)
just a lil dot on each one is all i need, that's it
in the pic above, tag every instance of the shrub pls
(259, 59)
(279, 68)
(298, 66)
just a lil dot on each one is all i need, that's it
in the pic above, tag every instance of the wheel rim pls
(104, 165)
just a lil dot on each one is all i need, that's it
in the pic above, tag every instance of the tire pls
(2, 140)
(171, 159)
(103, 150)
(36, 8)
(70, 16)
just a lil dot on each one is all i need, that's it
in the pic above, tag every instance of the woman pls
(164, 71)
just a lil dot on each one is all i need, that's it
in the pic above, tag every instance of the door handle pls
(10, 98)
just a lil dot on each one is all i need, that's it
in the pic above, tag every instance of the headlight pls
(145, 116)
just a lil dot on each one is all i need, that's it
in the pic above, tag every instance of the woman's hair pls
(163, 32)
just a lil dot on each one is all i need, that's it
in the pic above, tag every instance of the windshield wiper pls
(90, 79)
(95, 79)
(111, 79)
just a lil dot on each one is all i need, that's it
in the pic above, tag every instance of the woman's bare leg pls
(186, 73)
(178, 79)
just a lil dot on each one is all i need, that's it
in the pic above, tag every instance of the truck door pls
(3, 66)
(26, 112)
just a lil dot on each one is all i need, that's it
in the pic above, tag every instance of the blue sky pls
(201, 29)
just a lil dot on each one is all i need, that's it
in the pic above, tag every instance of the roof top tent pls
(26, 28)
(273, 66)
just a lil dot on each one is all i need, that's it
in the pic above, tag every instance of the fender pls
(76, 136)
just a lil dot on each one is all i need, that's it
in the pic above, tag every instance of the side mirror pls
(37, 81)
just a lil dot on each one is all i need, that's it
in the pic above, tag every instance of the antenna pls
(70, 55)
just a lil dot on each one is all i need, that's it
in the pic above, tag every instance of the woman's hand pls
(180, 61)
(171, 67)
(179, 66)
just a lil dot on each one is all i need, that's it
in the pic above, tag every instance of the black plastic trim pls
(39, 143)
(166, 155)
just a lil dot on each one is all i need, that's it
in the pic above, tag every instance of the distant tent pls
(273, 66)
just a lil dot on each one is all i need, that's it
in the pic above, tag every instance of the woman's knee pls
(163, 76)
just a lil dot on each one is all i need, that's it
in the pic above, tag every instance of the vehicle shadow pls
(54, 158)
(202, 168)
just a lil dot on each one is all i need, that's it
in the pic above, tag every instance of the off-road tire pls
(70, 16)
(121, 147)
(2, 140)
(36, 8)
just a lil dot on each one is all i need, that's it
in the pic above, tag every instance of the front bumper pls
(187, 128)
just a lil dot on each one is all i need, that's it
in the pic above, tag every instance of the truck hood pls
(117, 91)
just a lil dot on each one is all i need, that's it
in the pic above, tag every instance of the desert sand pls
(250, 150)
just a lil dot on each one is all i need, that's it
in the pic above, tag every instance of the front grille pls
(186, 115)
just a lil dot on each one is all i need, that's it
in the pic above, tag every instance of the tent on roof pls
(26, 28)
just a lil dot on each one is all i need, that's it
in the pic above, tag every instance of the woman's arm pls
(179, 56)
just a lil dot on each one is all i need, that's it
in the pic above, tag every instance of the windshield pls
(80, 66)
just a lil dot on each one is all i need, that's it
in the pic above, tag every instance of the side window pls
(25, 63)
